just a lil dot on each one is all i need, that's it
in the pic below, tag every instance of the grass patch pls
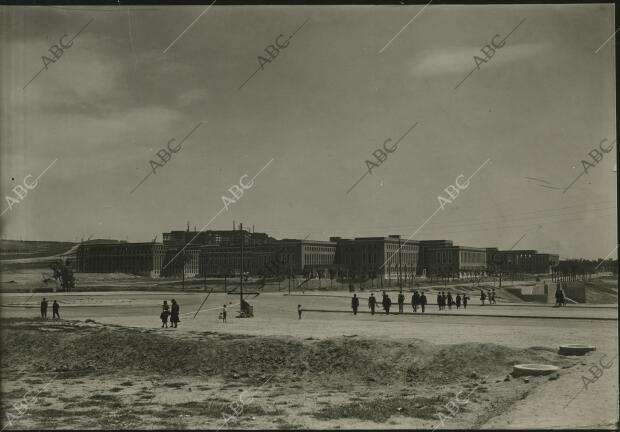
(380, 410)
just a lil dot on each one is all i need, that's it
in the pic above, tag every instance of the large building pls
(144, 259)
(527, 261)
(455, 261)
(376, 257)
(423, 258)
(280, 257)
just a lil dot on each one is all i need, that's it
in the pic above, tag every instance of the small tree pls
(63, 274)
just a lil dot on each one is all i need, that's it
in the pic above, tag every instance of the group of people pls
(490, 296)
(55, 309)
(170, 311)
(386, 302)
(444, 300)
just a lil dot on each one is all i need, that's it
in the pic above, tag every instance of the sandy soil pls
(101, 376)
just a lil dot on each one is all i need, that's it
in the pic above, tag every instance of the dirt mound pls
(72, 347)
(477, 360)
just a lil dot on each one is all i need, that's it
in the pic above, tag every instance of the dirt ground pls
(327, 370)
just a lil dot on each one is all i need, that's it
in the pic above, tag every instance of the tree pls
(63, 274)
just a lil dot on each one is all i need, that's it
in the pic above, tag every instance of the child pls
(165, 313)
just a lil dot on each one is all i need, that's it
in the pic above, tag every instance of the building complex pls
(220, 253)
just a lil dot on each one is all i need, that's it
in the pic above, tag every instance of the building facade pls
(144, 259)
(376, 257)
(455, 261)
(277, 258)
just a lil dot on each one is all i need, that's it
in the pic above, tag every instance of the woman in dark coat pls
(174, 314)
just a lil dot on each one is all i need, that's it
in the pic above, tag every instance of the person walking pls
(423, 301)
(298, 310)
(44, 308)
(401, 302)
(458, 301)
(450, 301)
(372, 302)
(165, 313)
(55, 308)
(415, 301)
(355, 302)
(174, 313)
(493, 296)
(482, 297)
(439, 300)
(224, 312)
(388, 304)
(465, 298)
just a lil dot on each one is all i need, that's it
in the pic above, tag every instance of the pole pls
(183, 271)
(400, 276)
(241, 282)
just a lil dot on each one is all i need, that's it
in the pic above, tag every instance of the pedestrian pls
(401, 302)
(450, 301)
(439, 300)
(224, 312)
(165, 313)
(465, 298)
(557, 295)
(493, 296)
(482, 297)
(423, 301)
(44, 308)
(298, 310)
(372, 301)
(55, 308)
(174, 313)
(415, 301)
(355, 302)
(444, 300)
(388, 304)
(562, 298)
(489, 296)
(458, 301)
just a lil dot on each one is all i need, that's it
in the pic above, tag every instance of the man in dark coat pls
(372, 301)
(55, 308)
(465, 298)
(439, 300)
(44, 308)
(401, 302)
(458, 300)
(174, 313)
(423, 301)
(443, 300)
(388, 304)
(450, 301)
(355, 302)
(415, 301)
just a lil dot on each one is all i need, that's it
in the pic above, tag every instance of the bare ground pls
(100, 376)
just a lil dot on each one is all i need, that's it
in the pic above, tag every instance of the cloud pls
(460, 60)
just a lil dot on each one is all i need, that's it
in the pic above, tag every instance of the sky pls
(308, 121)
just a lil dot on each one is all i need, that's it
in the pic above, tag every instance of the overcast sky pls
(319, 110)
